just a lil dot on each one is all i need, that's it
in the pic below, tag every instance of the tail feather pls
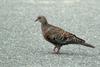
(88, 45)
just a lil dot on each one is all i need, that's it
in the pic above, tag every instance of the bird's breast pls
(45, 30)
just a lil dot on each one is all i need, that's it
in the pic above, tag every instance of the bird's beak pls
(36, 20)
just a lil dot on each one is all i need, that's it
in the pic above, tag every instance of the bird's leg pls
(54, 48)
(58, 49)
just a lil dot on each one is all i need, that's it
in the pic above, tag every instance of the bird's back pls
(57, 35)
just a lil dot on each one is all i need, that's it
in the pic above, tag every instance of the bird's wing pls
(57, 35)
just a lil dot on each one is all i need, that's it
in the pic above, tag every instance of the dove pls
(57, 36)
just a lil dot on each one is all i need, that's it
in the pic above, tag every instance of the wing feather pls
(59, 36)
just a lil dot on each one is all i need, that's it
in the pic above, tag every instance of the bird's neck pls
(44, 23)
(44, 26)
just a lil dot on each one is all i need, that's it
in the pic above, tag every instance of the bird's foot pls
(56, 51)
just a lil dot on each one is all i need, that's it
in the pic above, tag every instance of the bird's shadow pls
(70, 54)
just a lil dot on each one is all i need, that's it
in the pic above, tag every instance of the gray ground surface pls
(21, 42)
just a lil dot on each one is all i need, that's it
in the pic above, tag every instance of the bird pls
(57, 36)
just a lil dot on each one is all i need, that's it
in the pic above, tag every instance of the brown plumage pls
(57, 36)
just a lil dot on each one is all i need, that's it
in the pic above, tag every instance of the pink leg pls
(58, 49)
(54, 48)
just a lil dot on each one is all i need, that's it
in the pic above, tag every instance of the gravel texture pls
(21, 41)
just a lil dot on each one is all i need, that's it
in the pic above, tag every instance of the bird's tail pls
(88, 45)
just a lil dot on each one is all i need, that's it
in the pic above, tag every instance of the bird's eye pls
(39, 17)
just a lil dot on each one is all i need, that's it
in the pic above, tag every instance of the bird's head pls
(41, 19)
